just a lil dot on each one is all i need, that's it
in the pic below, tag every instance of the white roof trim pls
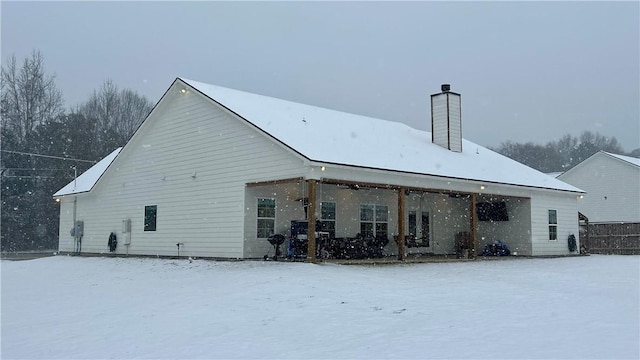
(555, 174)
(89, 178)
(629, 159)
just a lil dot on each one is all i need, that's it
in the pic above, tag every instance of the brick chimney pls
(446, 121)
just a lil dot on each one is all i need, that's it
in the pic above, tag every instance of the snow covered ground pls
(85, 308)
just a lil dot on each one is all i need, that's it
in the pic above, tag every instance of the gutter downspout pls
(76, 243)
(75, 230)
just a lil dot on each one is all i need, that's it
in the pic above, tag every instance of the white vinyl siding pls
(567, 223)
(612, 186)
(65, 240)
(440, 134)
(192, 159)
(447, 122)
(455, 123)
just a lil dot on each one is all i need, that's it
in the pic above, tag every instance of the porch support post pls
(311, 231)
(401, 206)
(473, 240)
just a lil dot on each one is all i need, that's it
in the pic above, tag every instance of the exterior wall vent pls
(446, 120)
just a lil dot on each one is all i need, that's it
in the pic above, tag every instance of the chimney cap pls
(445, 87)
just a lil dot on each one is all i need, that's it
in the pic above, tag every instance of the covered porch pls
(335, 219)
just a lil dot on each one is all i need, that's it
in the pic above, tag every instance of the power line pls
(28, 177)
(46, 156)
(34, 169)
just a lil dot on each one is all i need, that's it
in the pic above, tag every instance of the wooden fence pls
(613, 238)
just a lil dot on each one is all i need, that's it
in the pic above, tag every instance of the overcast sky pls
(527, 71)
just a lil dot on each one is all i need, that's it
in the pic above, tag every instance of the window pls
(413, 223)
(425, 226)
(553, 225)
(373, 220)
(266, 217)
(150, 217)
(328, 218)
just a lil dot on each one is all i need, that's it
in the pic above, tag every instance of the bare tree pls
(564, 150)
(133, 110)
(117, 114)
(102, 105)
(590, 143)
(29, 97)
(30, 102)
(560, 155)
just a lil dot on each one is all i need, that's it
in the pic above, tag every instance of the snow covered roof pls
(330, 136)
(629, 159)
(88, 179)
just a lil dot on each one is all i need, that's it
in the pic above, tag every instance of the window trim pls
(258, 217)
(375, 222)
(553, 224)
(323, 221)
(147, 226)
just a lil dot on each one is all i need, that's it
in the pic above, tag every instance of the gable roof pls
(629, 159)
(335, 137)
(87, 180)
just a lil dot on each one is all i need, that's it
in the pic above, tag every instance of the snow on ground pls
(86, 308)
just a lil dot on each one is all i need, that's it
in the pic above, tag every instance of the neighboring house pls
(611, 208)
(212, 172)
(612, 183)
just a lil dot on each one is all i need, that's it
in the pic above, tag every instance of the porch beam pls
(401, 206)
(311, 211)
(473, 241)
(359, 183)
(274, 182)
(462, 193)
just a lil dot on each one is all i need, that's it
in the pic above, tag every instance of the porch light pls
(481, 187)
(57, 199)
(183, 91)
(323, 168)
(581, 197)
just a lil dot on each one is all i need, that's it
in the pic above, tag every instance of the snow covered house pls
(612, 183)
(213, 172)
